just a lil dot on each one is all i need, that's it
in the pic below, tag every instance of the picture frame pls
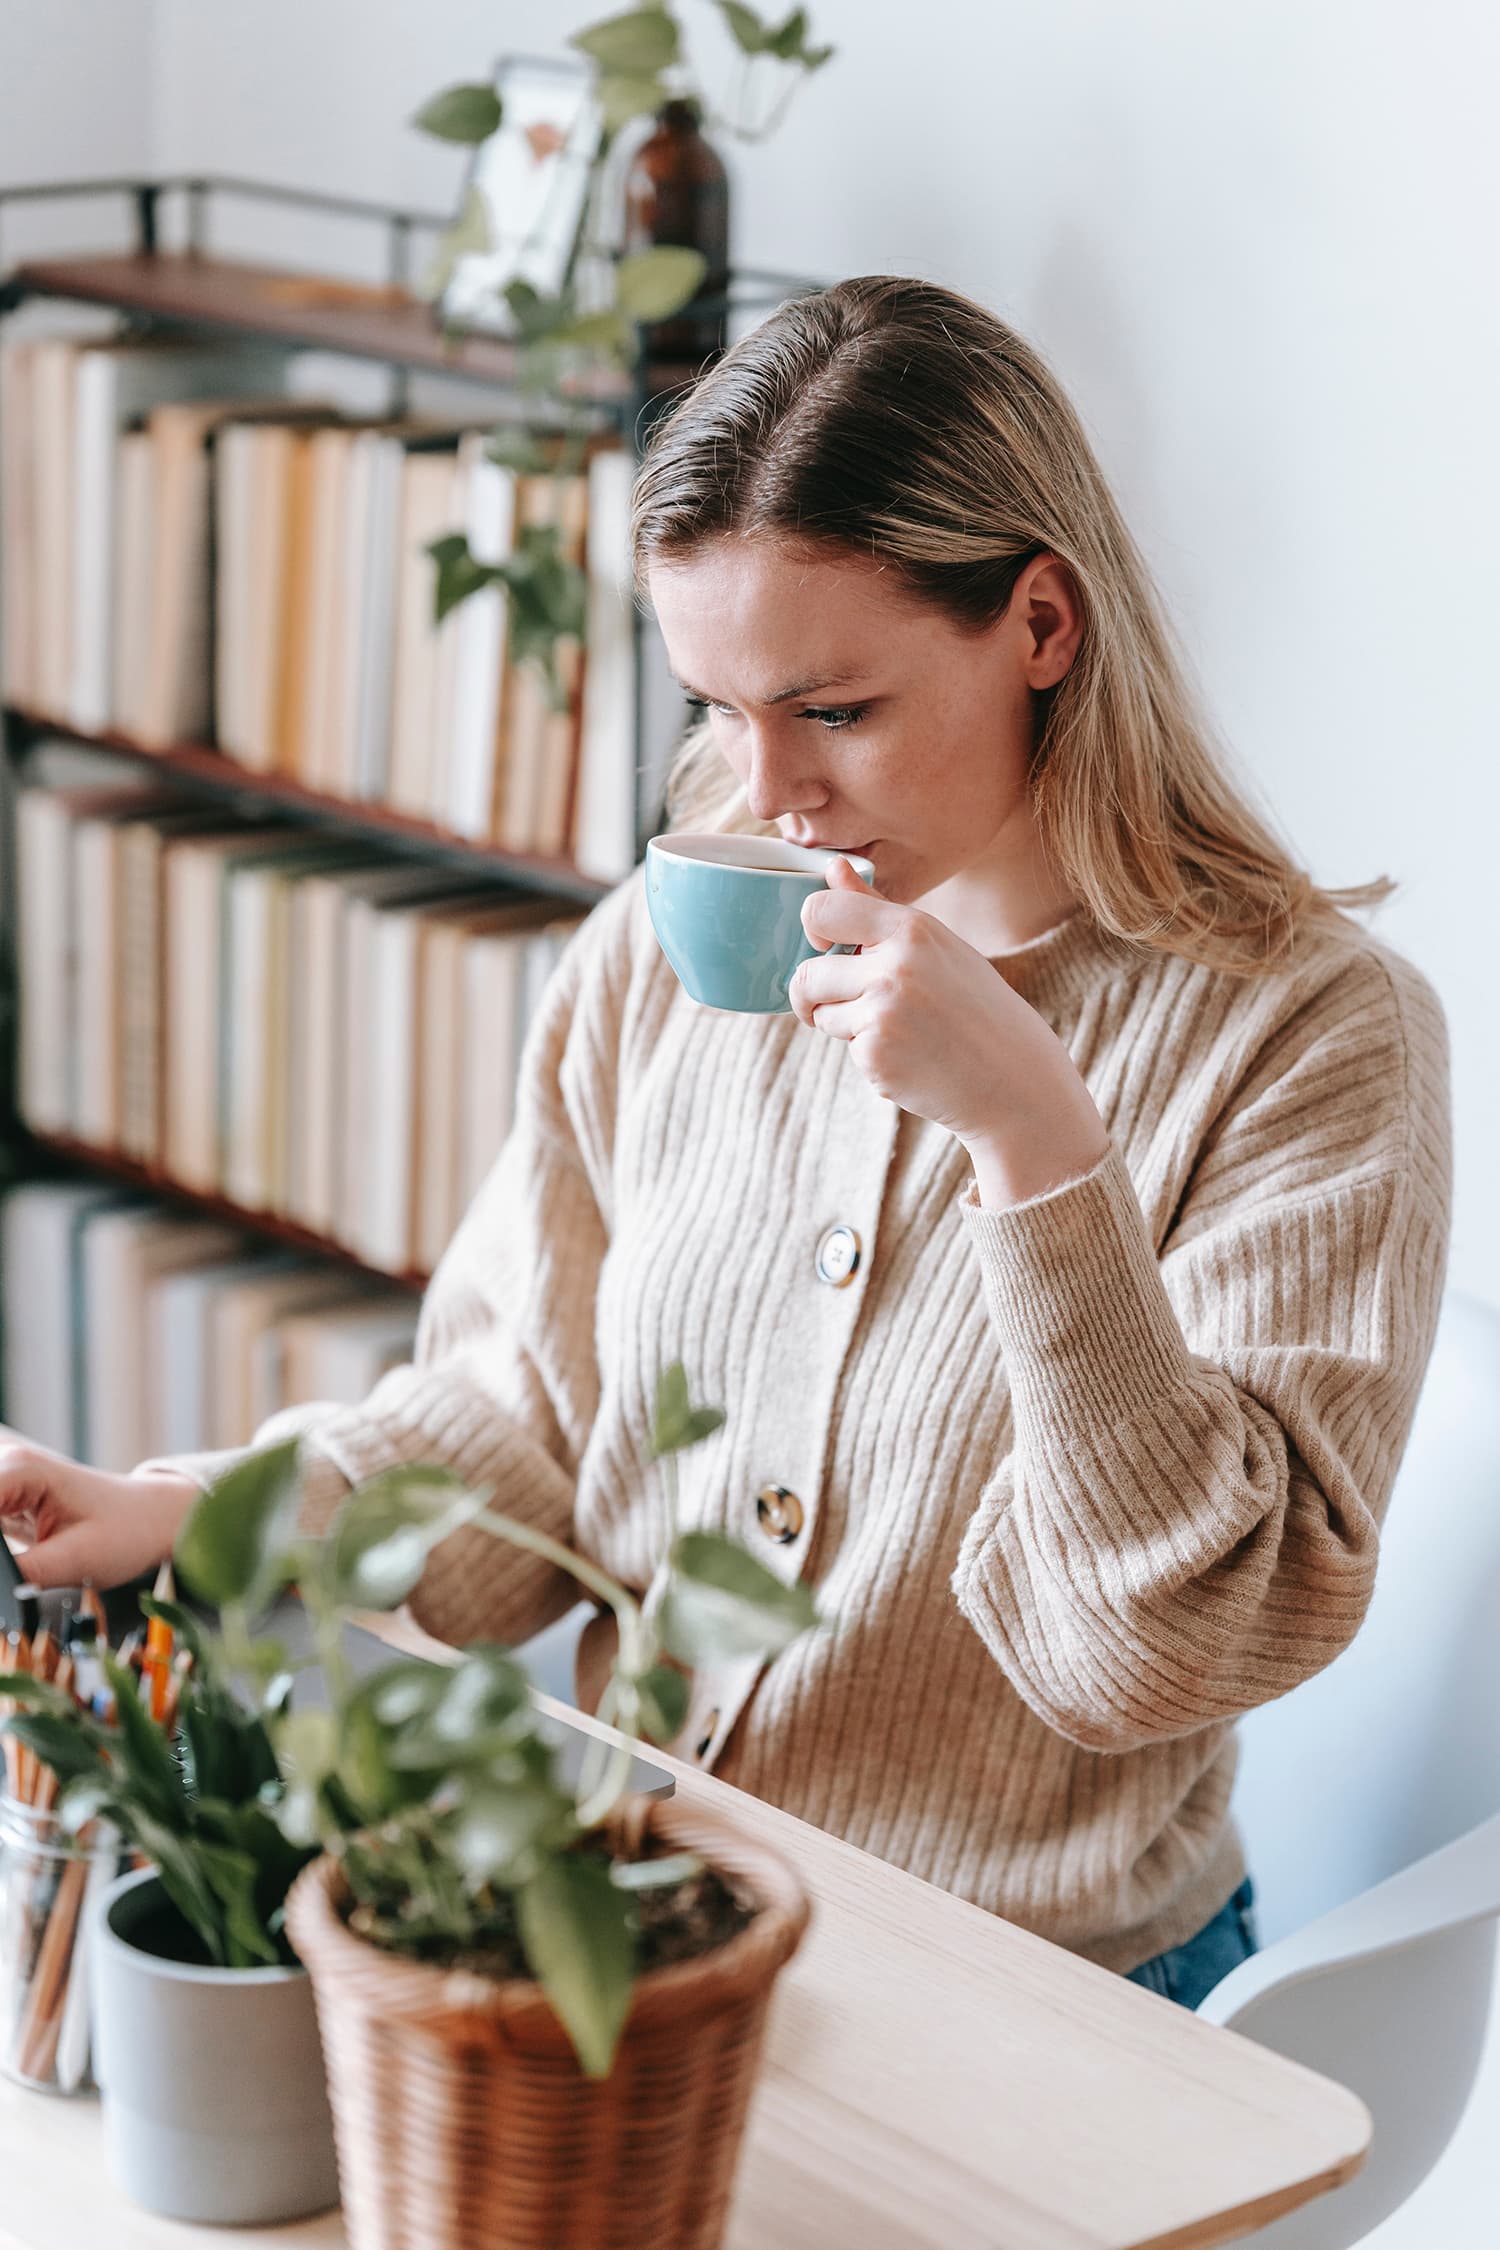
(533, 177)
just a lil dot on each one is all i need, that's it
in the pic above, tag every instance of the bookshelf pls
(194, 294)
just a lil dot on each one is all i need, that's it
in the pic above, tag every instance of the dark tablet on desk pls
(366, 1652)
(11, 1576)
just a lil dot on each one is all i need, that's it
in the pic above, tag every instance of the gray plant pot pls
(215, 2101)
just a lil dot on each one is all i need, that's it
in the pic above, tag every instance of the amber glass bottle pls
(677, 191)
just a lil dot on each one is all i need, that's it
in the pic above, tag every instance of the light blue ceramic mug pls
(728, 914)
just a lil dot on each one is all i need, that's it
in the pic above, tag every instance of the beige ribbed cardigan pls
(1081, 1480)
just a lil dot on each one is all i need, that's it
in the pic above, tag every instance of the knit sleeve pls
(503, 1383)
(1206, 1436)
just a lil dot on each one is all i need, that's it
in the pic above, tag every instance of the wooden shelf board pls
(371, 320)
(210, 769)
(265, 1223)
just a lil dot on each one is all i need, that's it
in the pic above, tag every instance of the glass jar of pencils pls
(50, 1885)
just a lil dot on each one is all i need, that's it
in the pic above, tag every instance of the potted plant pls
(202, 2017)
(541, 2007)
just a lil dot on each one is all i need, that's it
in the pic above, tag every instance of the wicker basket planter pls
(463, 2121)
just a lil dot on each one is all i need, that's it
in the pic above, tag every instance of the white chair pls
(1369, 1801)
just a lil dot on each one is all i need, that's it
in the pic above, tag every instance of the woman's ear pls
(1050, 614)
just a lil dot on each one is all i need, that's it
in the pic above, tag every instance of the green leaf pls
(611, 332)
(182, 1877)
(471, 1720)
(41, 1695)
(664, 1695)
(575, 1928)
(513, 447)
(231, 1876)
(751, 34)
(672, 1406)
(185, 1626)
(634, 45)
(400, 1694)
(467, 114)
(147, 1767)
(622, 96)
(813, 58)
(381, 1712)
(787, 41)
(722, 1602)
(534, 314)
(495, 1834)
(677, 1423)
(656, 282)
(235, 1546)
(655, 1874)
(306, 1751)
(58, 1742)
(224, 1749)
(378, 1544)
(458, 574)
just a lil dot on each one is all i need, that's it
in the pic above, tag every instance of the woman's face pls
(858, 717)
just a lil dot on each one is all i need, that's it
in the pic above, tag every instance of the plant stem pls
(328, 1632)
(627, 1612)
(602, 1799)
(629, 1659)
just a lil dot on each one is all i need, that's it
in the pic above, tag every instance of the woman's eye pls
(846, 715)
(833, 718)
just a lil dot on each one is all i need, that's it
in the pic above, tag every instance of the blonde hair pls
(903, 422)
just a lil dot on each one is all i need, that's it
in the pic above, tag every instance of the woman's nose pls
(776, 780)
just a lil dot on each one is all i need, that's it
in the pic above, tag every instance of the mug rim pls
(812, 859)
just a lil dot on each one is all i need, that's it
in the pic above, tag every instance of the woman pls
(1067, 1262)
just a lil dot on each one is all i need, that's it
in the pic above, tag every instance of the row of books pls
(271, 1014)
(191, 555)
(132, 1331)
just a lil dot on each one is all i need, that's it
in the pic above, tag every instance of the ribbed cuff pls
(1076, 1298)
(324, 1482)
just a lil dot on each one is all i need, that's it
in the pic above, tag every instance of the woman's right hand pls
(86, 1523)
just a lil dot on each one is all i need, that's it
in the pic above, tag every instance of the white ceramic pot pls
(215, 2100)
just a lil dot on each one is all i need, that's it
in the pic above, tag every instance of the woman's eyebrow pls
(790, 694)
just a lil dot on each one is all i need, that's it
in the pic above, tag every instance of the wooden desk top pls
(934, 2079)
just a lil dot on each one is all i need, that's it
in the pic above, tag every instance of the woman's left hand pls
(935, 1028)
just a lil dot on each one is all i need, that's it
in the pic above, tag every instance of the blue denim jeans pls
(1188, 1973)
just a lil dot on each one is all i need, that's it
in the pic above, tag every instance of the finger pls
(106, 1550)
(839, 1019)
(851, 916)
(842, 874)
(24, 1479)
(66, 1559)
(838, 976)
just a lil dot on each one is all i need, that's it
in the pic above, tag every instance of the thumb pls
(842, 875)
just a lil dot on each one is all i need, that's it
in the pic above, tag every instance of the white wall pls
(1257, 242)
(77, 101)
